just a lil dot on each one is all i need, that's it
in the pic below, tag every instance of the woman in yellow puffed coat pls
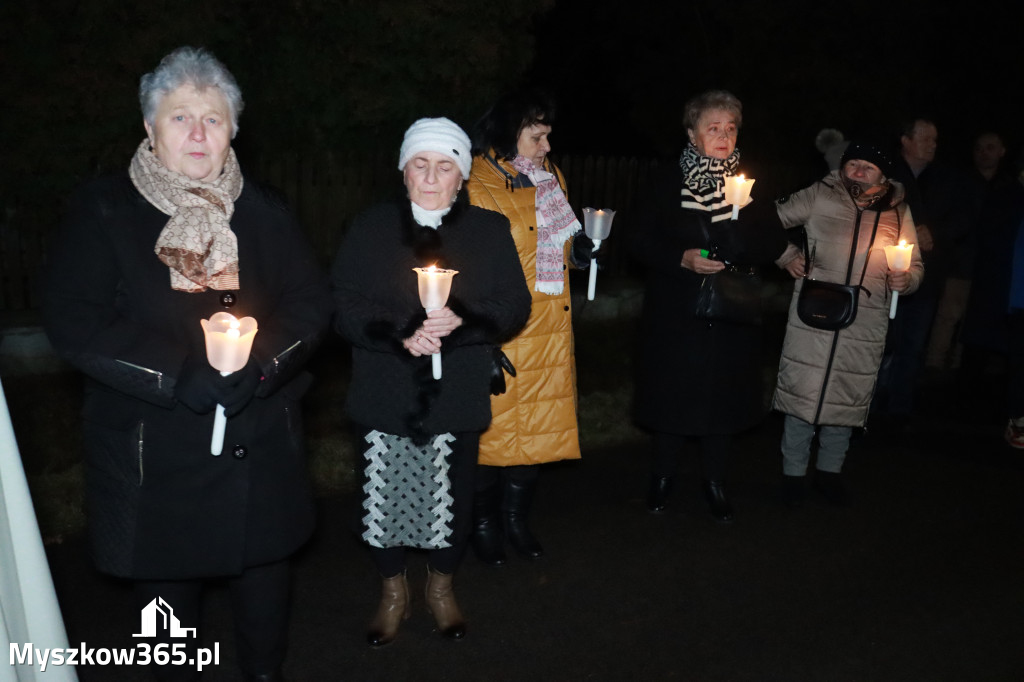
(534, 420)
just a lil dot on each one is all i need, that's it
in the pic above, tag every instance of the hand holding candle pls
(434, 286)
(898, 258)
(597, 224)
(228, 343)
(737, 193)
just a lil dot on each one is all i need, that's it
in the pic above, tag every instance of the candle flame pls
(742, 178)
(903, 243)
(431, 268)
(233, 332)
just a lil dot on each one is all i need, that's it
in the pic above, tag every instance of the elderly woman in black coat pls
(697, 379)
(143, 257)
(421, 434)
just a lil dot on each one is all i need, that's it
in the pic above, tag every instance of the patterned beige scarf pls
(197, 243)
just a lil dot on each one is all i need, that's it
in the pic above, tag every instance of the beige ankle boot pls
(442, 604)
(393, 609)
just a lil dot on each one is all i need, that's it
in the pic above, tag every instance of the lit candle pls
(898, 258)
(597, 224)
(434, 286)
(737, 193)
(228, 344)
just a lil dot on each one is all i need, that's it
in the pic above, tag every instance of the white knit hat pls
(437, 135)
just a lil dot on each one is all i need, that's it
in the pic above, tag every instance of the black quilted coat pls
(160, 506)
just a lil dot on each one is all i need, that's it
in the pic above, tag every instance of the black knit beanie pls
(868, 151)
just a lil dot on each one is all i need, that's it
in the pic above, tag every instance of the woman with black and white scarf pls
(698, 381)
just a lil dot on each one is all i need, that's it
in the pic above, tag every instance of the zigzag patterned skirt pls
(407, 496)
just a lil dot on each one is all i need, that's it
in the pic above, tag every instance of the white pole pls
(28, 603)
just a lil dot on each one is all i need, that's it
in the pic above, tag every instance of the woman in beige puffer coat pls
(827, 378)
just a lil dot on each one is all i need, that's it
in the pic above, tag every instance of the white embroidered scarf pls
(555, 224)
(197, 243)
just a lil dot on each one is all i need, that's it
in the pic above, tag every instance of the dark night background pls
(349, 76)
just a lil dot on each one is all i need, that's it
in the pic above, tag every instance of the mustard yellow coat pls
(534, 421)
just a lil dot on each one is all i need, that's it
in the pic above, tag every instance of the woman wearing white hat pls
(421, 434)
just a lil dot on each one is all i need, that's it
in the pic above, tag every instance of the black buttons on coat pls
(239, 452)
(566, 308)
(531, 228)
(228, 299)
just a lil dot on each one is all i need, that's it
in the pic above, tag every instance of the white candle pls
(228, 344)
(597, 224)
(737, 192)
(434, 286)
(898, 258)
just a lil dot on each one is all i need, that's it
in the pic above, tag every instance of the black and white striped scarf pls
(703, 182)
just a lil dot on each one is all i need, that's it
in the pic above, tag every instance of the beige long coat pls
(829, 377)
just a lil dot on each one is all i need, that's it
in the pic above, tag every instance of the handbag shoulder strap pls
(853, 252)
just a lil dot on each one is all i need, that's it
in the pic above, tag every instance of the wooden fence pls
(326, 190)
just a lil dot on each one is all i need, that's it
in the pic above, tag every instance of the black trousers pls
(488, 476)
(259, 607)
(1015, 393)
(714, 454)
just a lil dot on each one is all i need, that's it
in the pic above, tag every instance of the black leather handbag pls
(829, 305)
(731, 295)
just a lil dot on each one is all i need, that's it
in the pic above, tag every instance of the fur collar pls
(426, 242)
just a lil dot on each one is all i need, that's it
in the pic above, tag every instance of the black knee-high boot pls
(486, 538)
(515, 507)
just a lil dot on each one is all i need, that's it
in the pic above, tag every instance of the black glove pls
(582, 251)
(238, 388)
(199, 385)
(500, 365)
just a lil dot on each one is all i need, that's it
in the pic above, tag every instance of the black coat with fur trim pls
(377, 306)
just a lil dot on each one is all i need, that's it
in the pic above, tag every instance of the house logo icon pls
(158, 615)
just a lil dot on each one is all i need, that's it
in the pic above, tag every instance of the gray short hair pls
(189, 65)
(713, 99)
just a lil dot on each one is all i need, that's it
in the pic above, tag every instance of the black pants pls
(259, 607)
(714, 454)
(488, 476)
(1015, 395)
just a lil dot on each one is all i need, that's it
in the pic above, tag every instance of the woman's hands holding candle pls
(899, 280)
(427, 339)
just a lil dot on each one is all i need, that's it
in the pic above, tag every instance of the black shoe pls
(657, 494)
(718, 501)
(486, 538)
(794, 491)
(832, 488)
(516, 508)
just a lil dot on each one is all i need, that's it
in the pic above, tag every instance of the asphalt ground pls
(922, 578)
